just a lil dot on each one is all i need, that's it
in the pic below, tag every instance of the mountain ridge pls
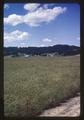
(59, 49)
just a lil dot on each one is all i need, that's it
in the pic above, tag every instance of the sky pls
(35, 24)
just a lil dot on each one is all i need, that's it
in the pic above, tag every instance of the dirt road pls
(70, 108)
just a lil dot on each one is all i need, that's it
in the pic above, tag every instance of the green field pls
(32, 84)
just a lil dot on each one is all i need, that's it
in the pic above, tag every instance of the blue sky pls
(41, 24)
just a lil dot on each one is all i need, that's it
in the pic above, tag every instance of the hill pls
(50, 50)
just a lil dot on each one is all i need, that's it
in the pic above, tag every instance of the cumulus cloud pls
(47, 40)
(16, 35)
(13, 19)
(31, 6)
(35, 17)
(6, 6)
(42, 15)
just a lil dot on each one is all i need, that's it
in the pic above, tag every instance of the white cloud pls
(22, 44)
(13, 19)
(35, 18)
(78, 38)
(16, 35)
(42, 15)
(47, 40)
(6, 6)
(45, 6)
(42, 45)
(31, 6)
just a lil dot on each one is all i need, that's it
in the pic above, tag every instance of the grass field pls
(32, 84)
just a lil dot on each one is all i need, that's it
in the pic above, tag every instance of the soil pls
(69, 108)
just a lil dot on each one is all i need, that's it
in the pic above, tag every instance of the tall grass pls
(32, 84)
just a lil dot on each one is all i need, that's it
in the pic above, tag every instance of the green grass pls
(32, 84)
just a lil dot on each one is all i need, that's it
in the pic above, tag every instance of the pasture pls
(35, 83)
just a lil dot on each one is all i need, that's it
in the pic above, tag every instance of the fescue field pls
(35, 83)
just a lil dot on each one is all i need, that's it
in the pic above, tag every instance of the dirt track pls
(69, 108)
